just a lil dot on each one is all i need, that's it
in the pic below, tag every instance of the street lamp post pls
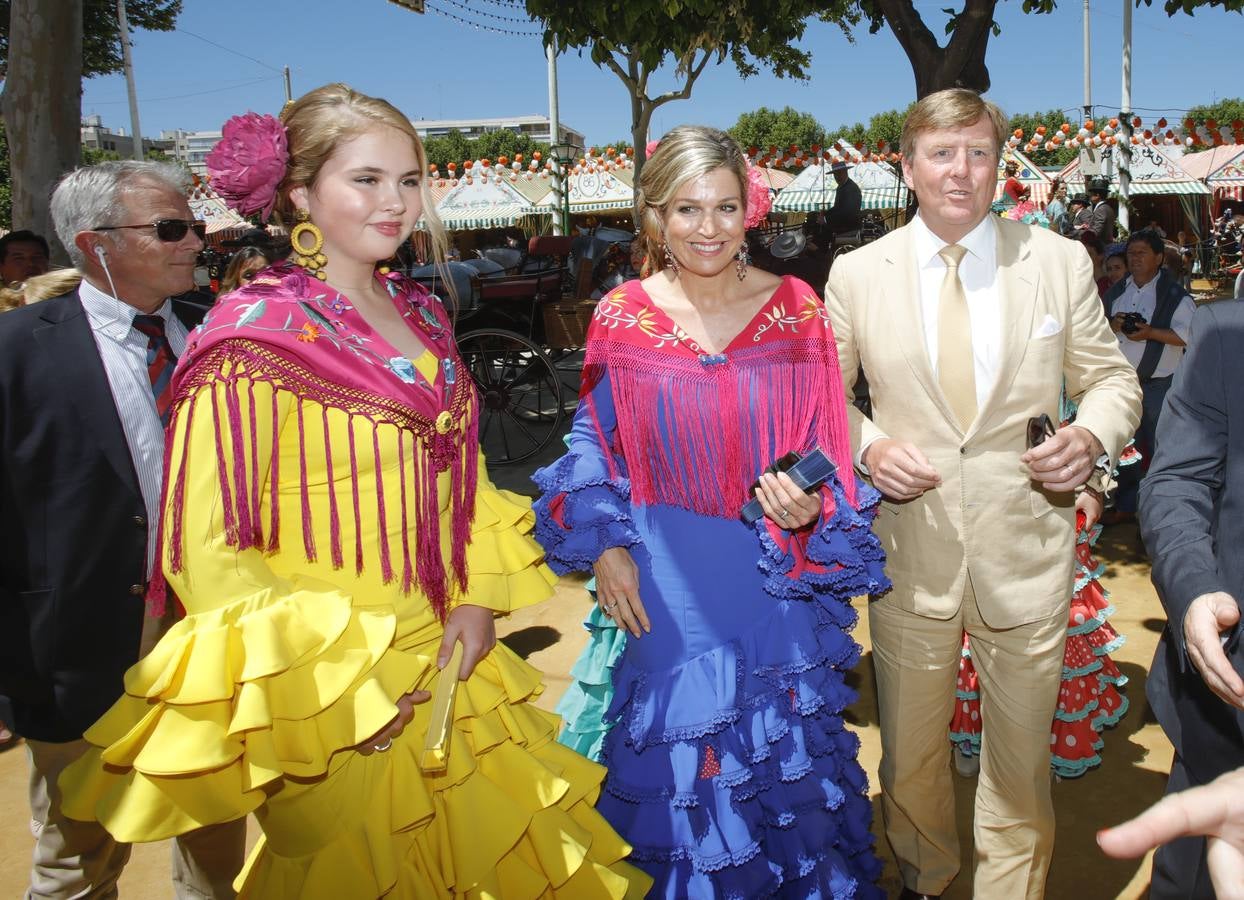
(564, 154)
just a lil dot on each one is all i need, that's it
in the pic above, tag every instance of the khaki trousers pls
(916, 660)
(81, 860)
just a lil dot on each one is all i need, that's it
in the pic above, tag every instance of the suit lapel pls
(1017, 282)
(906, 323)
(65, 337)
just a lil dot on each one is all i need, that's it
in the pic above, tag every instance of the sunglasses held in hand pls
(1039, 428)
(170, 231)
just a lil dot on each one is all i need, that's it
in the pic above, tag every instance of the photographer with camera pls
(1152, 314)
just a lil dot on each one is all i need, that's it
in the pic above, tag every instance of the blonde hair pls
(321, 119)
(686, 152)
(51, 284)
(951, 108)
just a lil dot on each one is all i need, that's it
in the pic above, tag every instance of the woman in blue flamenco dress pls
(730, 769)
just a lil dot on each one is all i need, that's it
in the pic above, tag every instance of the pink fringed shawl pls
(696, 429)
(302, 337)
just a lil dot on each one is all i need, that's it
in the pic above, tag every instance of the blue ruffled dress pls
(730, 770)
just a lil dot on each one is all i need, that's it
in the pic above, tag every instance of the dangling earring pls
(670, 262)
(310, 258)
(741, 260)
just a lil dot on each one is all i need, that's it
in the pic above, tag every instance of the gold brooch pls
(444, 422)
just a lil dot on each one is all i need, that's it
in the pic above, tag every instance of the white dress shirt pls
(1144, 300)
(978, 272)
(123, 351)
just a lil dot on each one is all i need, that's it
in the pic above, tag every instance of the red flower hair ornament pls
(248, 163)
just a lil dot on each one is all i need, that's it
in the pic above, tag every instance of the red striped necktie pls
(160, 362)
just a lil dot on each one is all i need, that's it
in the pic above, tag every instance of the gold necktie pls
(956, 371)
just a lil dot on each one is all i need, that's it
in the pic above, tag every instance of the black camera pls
(1132, 322)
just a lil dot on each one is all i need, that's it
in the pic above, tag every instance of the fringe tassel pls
(358, 516)
(408, 570)
(226, 496)
(382, 532)
(732, 420)
(334, 517)
(237, 444)
(253, 459)
(274, 479)
(308, 533)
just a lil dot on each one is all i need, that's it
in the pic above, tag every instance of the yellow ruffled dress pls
(251, 702)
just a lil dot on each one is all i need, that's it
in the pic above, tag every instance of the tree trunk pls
(42, 106)
(961, 63)
(641, 118)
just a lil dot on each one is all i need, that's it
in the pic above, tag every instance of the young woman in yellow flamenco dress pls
(331, 532)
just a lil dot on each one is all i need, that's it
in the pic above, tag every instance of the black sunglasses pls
(170, 231)
(1039, 428)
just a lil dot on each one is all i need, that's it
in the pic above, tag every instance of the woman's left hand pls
(1089, 502)
(473, 626)
(784, 504)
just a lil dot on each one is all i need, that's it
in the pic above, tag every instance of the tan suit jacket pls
(987, 517)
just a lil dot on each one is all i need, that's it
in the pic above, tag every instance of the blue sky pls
(432, 66)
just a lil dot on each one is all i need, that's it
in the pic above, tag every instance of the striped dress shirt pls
(123, 351)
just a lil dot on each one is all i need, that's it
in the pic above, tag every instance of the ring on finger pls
(610, 607)
(381, 748)
(784, 512)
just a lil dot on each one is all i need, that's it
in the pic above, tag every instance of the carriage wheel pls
(520, 393)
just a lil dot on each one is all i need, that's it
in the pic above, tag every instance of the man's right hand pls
(899, 470)
(1207, 617)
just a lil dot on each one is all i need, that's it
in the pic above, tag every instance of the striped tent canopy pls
(777, 179)
(1154, 171)
(602, 191)
(485, 202)
(1222, 169)
(814, 188)
(1029, 175)
(208, 205)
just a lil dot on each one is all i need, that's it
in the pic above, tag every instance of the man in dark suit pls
(1103, 216)
(83, 381)
(1192, 527)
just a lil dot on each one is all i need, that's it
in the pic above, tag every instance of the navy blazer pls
(73, 525)
(1192, 521)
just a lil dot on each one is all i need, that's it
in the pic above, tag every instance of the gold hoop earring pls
(670, 261)
(741, 260)
(310, 258)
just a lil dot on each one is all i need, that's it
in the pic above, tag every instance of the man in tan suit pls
(967, 326)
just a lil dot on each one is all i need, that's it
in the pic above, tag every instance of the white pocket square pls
(1049, 326)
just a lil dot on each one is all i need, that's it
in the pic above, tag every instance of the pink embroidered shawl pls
(776, 388)
(301, 336)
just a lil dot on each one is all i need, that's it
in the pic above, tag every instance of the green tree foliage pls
(634, 38)
(960, 62)
(884, 127)
(457, 148)
(101, 35)
(1051, 119)
(765, 127)
(1224, 112)
(91, 156)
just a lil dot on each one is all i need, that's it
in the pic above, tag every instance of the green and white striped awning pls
(601, 206)
(1167, 187)
(813, 201)
(488, 217)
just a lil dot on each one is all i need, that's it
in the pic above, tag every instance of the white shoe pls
(967, 764)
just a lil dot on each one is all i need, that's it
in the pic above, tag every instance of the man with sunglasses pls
(83, 391)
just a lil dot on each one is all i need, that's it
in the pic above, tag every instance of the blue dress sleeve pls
(585, 506)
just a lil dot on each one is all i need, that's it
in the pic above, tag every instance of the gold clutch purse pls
(435, 756)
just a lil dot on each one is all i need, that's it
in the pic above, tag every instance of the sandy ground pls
(1136, 753)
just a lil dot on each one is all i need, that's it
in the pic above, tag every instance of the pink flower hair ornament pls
(759, 200)
(248, 162)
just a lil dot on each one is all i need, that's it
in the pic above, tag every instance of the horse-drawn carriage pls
(521, 317)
